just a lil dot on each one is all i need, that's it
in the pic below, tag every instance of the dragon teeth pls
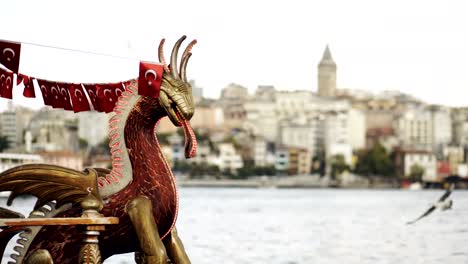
(18, 248)
(25, 234)
(14, 256)
(22, 241)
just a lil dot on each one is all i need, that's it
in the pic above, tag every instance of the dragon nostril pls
(189, 114)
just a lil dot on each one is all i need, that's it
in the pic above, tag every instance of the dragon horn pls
(175, 50)
(183, 67)
(162, 60)
(185, 57)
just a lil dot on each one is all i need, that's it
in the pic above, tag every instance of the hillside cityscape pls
(339, 137)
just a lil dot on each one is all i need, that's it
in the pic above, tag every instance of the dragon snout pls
(184, 105)
(188, 113)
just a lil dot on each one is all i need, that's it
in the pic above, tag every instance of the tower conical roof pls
(327, 58)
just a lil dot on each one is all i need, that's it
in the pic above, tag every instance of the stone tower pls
(327, 75)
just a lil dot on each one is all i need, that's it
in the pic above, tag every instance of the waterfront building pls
(414, 128)
(454, 155)
(176, 143)
(204, 155)
(260, 151)
(208, 116)
(265, 93)
(228, 159)
(197, 92)
(53, 130)
(13, 123)
(93, 127)
(63, 158)
(261, 119)
(8, 126)
(356, 123)
(299, 161)
(384, 136)
(282, 159)
(232, 102)
(11, 160)
(441, 126)
(405, 159)
(460, 126)
(299, 133)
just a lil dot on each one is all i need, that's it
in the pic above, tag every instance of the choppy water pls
(319, 226)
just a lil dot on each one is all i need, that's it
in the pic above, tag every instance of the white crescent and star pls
(6, 50)
(150, 72)
(44, 90)
(8, 80)
(64, 92)
(108, 91)
(56, 93)
(117, 90)
(91, 92)
(2, 78)
(81, 94)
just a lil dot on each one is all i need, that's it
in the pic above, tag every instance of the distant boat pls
(415, 186)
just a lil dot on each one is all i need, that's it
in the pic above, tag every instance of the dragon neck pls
(133, 144)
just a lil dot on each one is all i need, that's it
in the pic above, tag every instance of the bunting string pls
(81, 51)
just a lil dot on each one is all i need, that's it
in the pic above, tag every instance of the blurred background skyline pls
(416, 47)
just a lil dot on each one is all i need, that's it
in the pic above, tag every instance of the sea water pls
(229, 225)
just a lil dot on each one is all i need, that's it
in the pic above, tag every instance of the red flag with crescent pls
(150, 78)
(10, 55)
(46, 90)
(56, 101)
(93, 92)
(28, 85)
(6, 84)
(108, 95)
(78, 97)
(64, 96)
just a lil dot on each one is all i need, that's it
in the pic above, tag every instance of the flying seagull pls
(443, 204)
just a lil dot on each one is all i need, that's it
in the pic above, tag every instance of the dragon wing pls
(49, 183)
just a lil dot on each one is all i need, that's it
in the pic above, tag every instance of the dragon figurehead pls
(176, 93)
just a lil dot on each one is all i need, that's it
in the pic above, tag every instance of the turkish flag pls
(6, 84)
(150, 78)
(93, 92)
(28, 85)
(10, 55)
(56, 101)
(78, 97)
(108, 95)
(45, 87)
(64, 96)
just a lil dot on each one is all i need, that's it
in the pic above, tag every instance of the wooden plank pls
(58, 221)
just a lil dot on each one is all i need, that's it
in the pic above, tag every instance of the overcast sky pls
(419, 47)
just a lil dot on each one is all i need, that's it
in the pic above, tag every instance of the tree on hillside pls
(416, 173)
(4, 143)
(338, 166)
(83, 143)
(318, 164)
(375, 161)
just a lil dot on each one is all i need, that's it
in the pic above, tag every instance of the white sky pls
(419, 47)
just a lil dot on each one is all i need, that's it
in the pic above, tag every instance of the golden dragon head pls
(176, 92)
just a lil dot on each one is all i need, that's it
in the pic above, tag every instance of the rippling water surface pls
(319, 226)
